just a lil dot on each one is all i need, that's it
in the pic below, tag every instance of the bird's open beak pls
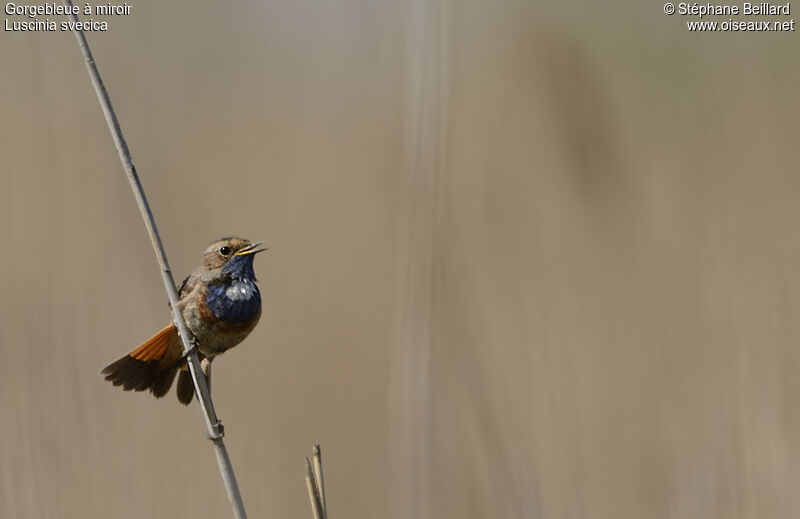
(251, 249)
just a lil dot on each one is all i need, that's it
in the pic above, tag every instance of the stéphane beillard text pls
(747, 9)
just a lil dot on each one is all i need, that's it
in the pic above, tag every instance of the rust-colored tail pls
(152, 365)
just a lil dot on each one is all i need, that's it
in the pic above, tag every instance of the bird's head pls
(232, 256)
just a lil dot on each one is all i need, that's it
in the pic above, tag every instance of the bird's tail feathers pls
(153, 365)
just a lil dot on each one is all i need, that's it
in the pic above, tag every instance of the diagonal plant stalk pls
(316, 485)
(213, 425)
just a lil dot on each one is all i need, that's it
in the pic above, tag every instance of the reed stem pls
(213, 424)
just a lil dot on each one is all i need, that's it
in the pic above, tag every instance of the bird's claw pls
(194, 349)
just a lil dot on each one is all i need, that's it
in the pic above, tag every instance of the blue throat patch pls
(240, 268)
(237, 299)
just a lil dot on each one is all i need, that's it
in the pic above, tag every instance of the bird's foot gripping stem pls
(194, 349)
(218, 431)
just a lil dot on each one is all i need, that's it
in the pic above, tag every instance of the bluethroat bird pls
(220, 303)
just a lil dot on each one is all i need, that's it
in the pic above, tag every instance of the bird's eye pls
(224, 250)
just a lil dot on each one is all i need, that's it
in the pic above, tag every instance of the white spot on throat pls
(241, 290)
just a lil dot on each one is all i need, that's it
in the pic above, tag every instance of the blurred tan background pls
(528, 259)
